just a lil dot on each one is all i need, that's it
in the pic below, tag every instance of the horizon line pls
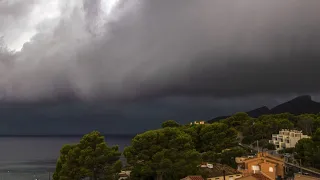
(62, 135)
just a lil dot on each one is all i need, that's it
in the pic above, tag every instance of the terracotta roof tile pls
(256, 176)
(195, 177)
(260, 176)
(217, 170)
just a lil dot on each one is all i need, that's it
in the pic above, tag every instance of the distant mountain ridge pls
(299, 105)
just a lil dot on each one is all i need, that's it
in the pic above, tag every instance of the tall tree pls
(229, 156)
(305, 149)
(167, 153)
(316, 136)
(316, 124)
(170, 123)
(216, 137)
(305, 122)
(91, 158)
(237, 120)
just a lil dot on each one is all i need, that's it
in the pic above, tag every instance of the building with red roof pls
(193, 178)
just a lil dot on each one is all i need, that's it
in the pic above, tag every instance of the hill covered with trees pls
(175, 151)
(261, 129)
(297, 106)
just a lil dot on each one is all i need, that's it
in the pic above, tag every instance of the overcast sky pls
(152, 60)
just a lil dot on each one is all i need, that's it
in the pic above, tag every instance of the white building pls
(197, 122)
(124, 175)
(287, 138)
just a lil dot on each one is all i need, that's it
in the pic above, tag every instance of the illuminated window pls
(270, 169)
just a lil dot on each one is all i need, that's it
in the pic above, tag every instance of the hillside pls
(299, 105)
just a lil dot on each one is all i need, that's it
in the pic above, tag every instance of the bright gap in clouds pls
(109, 5)
(43, 11)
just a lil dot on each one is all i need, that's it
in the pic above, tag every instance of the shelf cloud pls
(142, 49)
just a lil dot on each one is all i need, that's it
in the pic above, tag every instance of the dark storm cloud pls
(171, 48)
(261, 48)
(242, 79)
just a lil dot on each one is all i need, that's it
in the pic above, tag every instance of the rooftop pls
(255, 176)
(288, 130)
(259, 156)
(260, 177)
(217, 170)
(194, 178)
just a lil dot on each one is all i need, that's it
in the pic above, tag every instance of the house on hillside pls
(219, 172)
(197, 122)
(287, 138)
(124, 175)
(269, 166)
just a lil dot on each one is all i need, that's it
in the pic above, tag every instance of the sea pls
(34, 158)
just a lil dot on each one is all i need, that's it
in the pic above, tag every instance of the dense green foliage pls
(287, 150)
(227, 156)
(158, 153)
(173, 152)
(263, 127)
(91, 158)
(170, 123)
(211, 137)
(308, 150)
(167, 153)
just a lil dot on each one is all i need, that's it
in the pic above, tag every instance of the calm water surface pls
(33, 157)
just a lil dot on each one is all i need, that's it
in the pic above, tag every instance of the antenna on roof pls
(224, 174)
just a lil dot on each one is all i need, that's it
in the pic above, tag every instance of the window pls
(255, 168)
(270, 169)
